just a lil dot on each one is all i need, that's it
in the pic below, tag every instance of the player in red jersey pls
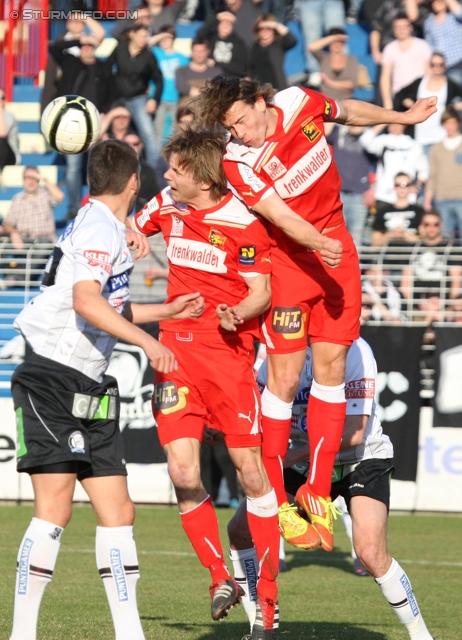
(279, 162)
(215, 245)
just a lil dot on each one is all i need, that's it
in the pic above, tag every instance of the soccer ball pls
(71, 124)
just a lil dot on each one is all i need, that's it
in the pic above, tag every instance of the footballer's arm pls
(275, 210)
(258, 301)
(364, 114)
(96, 310)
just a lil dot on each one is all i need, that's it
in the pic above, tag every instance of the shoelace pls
(289, 507)
(334, 510)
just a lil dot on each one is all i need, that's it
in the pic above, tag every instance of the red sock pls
(325, 427)
(201, 527)
(262, 516)
(276, 435)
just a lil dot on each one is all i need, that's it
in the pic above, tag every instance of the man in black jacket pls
(86, 76)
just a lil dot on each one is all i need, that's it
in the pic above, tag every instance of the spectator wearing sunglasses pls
(9, 141)
(397, 223)
(444, 186)
(434, 83)
(434, 269)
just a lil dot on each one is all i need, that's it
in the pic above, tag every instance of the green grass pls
(320, 597)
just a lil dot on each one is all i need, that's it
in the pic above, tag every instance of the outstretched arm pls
(364, 114)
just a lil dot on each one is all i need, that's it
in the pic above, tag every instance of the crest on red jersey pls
(217, 238)
(310, 129)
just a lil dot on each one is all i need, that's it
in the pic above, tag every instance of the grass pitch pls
(320, 597)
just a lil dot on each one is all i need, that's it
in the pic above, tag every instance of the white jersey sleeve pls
(360, 377)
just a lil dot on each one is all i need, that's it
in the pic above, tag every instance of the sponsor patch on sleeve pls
(144, 217)
(250, 178)
(328, 109)
(362, 388)
(247, 255)
(98, 259)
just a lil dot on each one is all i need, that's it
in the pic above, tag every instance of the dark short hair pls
(220, 93)
(449, 113)
(110, 166)
(402, 16)
(167, 28)
(201, 154)
(198, 40)
(432, 212)
(336, 31)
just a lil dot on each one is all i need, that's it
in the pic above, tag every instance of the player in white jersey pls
(362, 474)
(67, 410)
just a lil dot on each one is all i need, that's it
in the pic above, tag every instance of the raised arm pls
(364, 114)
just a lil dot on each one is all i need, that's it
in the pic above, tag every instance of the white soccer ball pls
(71, 124)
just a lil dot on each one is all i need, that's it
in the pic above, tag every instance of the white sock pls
(397, 589)
(245, 566)
(282, 549)
(117, 564)
(36, 562)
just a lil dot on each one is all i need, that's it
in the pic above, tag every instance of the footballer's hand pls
(228, 317)
(421, 110)
(211, 437)
(137, 242)
(161, 358)
(331, 252)
(191, 305)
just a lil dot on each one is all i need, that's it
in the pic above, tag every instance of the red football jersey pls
(210, 251)
(295, 161)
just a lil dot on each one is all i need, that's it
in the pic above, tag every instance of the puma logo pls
(245, 417)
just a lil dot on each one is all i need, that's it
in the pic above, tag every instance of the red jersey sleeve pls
(250, 186)
(326, 107)
(147, 221)
(254, 251)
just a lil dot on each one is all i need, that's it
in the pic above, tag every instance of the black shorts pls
(66, 421)
(370, 478)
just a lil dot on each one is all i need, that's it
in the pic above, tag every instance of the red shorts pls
(310, 298)
(213, 385)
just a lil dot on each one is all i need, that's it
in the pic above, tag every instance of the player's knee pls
(238, 532)
(285, 384)
(370, 557)
(252, 479)
(183, 475)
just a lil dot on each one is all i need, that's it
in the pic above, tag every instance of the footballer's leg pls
(326, 419)
(116, 557)
(283, 379)
(40, 547)
(262, 517)
(200, 521)
(370, 519)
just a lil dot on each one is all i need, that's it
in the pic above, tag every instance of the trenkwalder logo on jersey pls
(77, 442)
(274, 168)
(98, 259)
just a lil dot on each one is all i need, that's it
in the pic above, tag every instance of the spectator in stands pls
(78, 24)
(152, 14)
(339, 71)
(192, 77)
(9, 140)
(317, 17)
(454, 311)
(396, 152)
(229, 51)
(116, 123)
(168, 60)
(403, 60)
(30, 219)
(433, 271)
(91, 78)
(149, 186)
(266, 55)
(435, 83)
(246, 13)
(443, 32)
(398, 223)
(135, 67)
(381, 298)
(353, 164)
(445, 183)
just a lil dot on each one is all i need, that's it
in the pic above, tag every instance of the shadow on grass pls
(339, 559)
(288, 631)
